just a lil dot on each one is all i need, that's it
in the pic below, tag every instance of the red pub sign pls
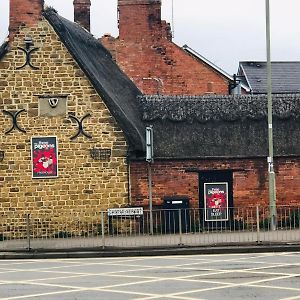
(216, 201)
(44, 157)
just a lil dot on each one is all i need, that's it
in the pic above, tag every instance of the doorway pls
(216, 198)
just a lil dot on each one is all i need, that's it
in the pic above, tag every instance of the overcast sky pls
(223, 31)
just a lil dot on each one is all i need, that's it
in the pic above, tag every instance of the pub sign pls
(44, 157)
(216, 201)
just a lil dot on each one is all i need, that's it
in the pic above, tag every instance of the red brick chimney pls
(140, 20)
(24, 13)
(82, 14)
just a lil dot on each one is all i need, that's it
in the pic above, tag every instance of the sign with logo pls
(44, 157)
(216, 201)
(126, 211)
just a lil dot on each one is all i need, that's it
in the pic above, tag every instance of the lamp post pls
(272, 185)
(149, 159)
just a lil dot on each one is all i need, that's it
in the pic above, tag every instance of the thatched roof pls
(221, 126)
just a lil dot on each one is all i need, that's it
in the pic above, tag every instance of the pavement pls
(261, 276)
(149, 251)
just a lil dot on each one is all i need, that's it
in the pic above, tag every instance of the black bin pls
(174, 207)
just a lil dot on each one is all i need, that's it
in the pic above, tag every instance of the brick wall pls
(83, 184)
(250, 180)
(146, 53)
(82, 13)
(24, 13)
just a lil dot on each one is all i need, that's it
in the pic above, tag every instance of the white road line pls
(40, 295)
(291, 298)
(81, 290)
(89, 275)
(122, 264)
(179, 295)
(68, 266)
(169, 297)
(86, 288)
(229, 286)
(267, 273)
(276, 287)
(216, 271)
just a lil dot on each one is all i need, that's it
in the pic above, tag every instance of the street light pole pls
(272, 185)
(150, 159)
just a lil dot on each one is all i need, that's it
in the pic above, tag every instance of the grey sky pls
(225, 32)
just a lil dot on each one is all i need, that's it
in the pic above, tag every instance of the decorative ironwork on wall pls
(53, 102)
(52, 105)
(80, 126)
(28, 52)
(100, 154)
(2, 154)
(14, 117)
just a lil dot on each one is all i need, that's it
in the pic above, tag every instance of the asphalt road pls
(229, 276)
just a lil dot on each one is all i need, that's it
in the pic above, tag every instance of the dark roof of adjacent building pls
(116, 89)
(285, 76)
(221, 126)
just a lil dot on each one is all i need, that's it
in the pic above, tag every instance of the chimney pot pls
(82, 13)
(139, 19)
(24, 13)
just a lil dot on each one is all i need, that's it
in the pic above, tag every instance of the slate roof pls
(116, 89)
(285, 76)
(187, 127)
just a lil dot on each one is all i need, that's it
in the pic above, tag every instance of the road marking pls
(291, 298)
(276, 287)
(194, 263)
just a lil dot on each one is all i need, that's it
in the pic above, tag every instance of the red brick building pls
(197, 139)
(211, 139)
(145, 51)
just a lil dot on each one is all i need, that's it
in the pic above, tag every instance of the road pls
(228, 276)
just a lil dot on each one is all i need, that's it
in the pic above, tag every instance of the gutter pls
(248, 82)
(212, 65)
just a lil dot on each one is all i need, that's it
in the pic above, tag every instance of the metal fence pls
(161, 228)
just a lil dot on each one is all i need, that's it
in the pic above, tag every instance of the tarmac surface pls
(219, 276)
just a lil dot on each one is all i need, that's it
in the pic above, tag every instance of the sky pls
(224, 32)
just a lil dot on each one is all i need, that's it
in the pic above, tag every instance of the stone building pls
(73, 124)
(68, 118)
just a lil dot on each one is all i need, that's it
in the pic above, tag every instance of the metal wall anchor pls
(28, 57)
(80, 126)
(14, 117)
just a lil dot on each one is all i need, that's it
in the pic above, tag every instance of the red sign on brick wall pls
(216, 201)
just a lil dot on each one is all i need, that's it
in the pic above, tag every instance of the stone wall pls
(83, 184)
